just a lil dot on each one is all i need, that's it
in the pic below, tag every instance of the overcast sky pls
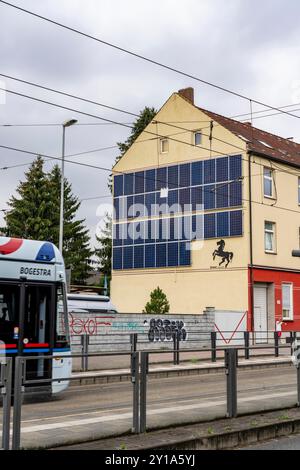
(250, 46)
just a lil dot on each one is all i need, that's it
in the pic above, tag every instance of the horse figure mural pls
(225, 255)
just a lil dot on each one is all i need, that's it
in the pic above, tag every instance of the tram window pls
(9, 303)
(61, 316)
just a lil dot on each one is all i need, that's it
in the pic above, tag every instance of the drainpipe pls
(251, 244)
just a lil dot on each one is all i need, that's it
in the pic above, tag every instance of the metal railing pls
(133, 342)
(139, 370)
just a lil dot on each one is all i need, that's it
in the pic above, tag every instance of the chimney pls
(187, 93)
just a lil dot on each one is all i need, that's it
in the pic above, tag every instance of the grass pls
(284, 417)
(194, 360)
(210, 430)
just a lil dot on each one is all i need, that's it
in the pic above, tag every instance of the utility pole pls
(62, 184)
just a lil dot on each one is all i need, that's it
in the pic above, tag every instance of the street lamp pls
(62, 184)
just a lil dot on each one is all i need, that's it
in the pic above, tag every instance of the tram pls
(33, 310)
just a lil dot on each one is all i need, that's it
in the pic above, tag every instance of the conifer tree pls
(158, 302)
(34, 214)
(104, 252)
(28, 216)
(76, 250)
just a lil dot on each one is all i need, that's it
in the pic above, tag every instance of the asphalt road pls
(95, 411)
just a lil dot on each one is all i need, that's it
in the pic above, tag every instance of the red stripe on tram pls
(37, 345)
(7, 346)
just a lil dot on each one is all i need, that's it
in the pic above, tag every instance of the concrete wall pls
(112, 331)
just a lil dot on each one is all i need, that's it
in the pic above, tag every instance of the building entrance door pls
(260, 313)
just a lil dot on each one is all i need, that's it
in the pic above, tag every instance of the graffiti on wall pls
(91, 325)
(163, 330)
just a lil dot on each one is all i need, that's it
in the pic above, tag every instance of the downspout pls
(251, 243)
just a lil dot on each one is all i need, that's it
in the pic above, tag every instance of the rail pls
(139, 363)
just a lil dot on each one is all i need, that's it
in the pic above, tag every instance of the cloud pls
(247, 46)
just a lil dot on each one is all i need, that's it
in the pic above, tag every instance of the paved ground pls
(284, 443)
(97, 411)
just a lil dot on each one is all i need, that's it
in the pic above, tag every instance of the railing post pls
(246, 340)
(213, 340)
(133, 342)
(177, 348)
(85, 350)
(276, 343)
(293, 337)
(231, 385)
(174, 348)
(143, 391)
(6, 373)
(18, 395)
(136, 389)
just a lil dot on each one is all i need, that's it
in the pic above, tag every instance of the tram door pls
(37, 328)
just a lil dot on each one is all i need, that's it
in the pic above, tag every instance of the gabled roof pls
(260, 142)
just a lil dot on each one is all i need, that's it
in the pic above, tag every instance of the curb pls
(105, 377)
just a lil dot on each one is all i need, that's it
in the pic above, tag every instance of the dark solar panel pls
(161, 181)
(222, 169)
(236, 223)
(209, 225)
(222, 224)
(222, 191)
(139, 182)
(172, 254)
(235, 165)
(209, 171)
(209, 196)
(117, 258)
(128, 183)
(173, 177)
(184, 254)
(118, 185)
(150, 180)
(150, 256)
(165, 242)
(139, 257)
(185, 175)
(161, 255)
(197, 173)
(128, 257)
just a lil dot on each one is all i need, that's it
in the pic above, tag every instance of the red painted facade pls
(277, 277)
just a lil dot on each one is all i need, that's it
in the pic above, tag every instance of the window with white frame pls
(197, 138)
(270, 237)
(268, 182)
(164, 145)
(287, 301)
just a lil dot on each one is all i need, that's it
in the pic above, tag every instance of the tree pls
(104, 253)
(35, 215)
(158, 302)
(144, 118)
(76, 250)
(28, 216)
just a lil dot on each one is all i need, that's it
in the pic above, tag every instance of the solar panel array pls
(148, 242)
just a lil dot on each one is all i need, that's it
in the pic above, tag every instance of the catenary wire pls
(152, 61)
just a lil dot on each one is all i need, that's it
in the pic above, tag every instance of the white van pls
(90, 303)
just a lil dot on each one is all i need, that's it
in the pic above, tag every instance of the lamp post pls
(62, 184)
